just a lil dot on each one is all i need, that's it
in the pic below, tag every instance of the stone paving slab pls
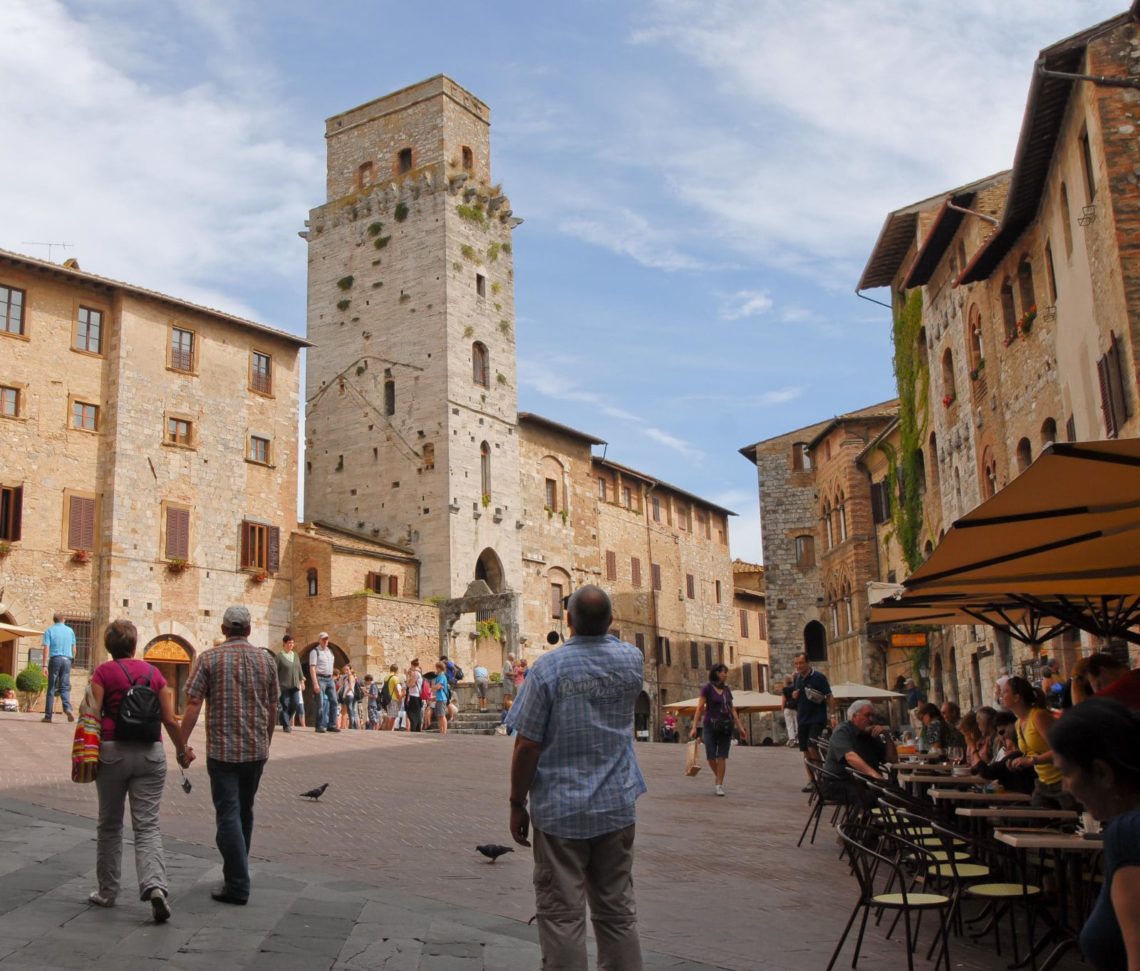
(720, 882)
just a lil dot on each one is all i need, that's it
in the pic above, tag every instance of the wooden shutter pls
(744, 623)
(81, 524)
(746, 668)
(178, 533)
(1106, 397)
(246, 528)
(635, 571)
(694, 655)
(639, 640)
(1116, 386)
(690, 586)
(708, 655)
(15, 512)
(394, 586)
(273, 560)
(611, 565)
(655, 569)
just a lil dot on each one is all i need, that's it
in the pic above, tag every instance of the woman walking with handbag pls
(131, 762)
(716, 717)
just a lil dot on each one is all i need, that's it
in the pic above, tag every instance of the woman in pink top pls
(134, 768)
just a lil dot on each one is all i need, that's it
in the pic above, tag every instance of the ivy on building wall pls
(912, 376)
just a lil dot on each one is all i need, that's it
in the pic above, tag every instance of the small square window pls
(259, 449)
(9, 401)
(84, 416)
(89, 331)
(179, 431)
(261, 372)
(11, 310)
(480, 284)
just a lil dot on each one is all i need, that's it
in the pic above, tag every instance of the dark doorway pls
(815, 641)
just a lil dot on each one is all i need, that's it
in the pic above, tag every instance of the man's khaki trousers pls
(567, 874)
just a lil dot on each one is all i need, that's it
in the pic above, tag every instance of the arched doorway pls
(489, 569)
(309, 697)
(815, 641)
(641, 718)
(172, 655)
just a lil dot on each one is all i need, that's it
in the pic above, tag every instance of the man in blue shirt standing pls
(574, 758)
(59, 642)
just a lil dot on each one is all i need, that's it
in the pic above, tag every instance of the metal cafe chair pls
(819, 800)
(886, 868)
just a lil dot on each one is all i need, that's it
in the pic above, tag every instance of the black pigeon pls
(493, 850)
(315, 793)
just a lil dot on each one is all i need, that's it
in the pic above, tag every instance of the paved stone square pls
(382, 871)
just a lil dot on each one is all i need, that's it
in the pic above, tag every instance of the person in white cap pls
(240, 683)
(324, 684)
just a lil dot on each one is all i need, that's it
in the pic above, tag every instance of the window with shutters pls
(182, 350)
(556, 601)
(552, 495)
(746, 671)
(708, 656)
(374, 582)
(9, 401)
(11, 512)
(177, 533)
(84, 416)
(718, 593)
(260, 547)
(667, 648)
(12, 311)
(744, 623)
(81, 523)
(627, 497)
(655, 506)
(393, 586)
(682, 514)
(694, 655)
(635, 571)
(880, 502)
(259, 449)
(761, 626)
(655, 573)
(602, 488)
(88, 335)
(1113, 398)
(690, 586)
(720, 652)
(261, 372)
(639, 643)
(611, 565)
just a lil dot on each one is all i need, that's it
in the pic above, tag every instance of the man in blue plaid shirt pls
(574, 758)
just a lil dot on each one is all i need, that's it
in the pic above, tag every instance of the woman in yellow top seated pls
(1033, 724)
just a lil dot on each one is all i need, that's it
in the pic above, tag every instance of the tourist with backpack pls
(135, 702)
(390, 697)
(372, 691)
(442, 692)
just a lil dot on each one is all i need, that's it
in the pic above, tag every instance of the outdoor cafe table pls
(1071, 851)
(978, 816)
(945, 780)
(965, 795)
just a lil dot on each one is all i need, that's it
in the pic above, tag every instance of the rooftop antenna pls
(28, 242)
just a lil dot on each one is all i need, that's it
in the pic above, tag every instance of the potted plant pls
(977, 372)
(81, 556)
(177, 565)
(31, 682)
(1025, 322)
(5, 548)
(948, 400)
(259, 576)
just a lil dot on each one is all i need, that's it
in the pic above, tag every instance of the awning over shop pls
(852, 691)
(742, 701)
(8, 631)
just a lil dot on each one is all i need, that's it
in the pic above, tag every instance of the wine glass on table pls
(957, 754)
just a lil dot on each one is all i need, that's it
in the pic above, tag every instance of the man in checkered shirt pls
(574, 758)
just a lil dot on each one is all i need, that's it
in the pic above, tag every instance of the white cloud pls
(188, 190)
(671, 441)
(629, 234)
(746, 303)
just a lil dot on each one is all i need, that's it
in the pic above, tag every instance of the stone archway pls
(173, 656)
(309, 697)
(478, 599)
(815, 642)
(489, 569)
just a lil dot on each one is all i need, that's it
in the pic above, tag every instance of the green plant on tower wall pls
(912, 376)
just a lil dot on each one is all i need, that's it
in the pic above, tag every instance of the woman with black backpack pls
(135, 701)
(716, 717)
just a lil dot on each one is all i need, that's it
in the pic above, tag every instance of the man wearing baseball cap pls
(321, 678)
(240, 683)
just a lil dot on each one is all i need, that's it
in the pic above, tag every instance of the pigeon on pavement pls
(494, 850)
(315, 793)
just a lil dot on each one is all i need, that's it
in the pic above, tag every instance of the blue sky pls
(701, 182)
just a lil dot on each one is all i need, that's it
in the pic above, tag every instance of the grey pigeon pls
(493, 850)
(315, 793)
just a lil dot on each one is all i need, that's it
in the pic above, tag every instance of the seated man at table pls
(857, 744)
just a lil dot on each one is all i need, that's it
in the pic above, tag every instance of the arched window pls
(989, 473)
(1048, 432)
(927, 549)
(480, 364)
(974, 330)
(841, 511)
(364, 175)
(828, 540)
(848, 610)
(833, 608)
(404, 161)
(933, 461)
(468, 159)
(485, 470)
(1025, 285)
(1024, 455)
(815, 641)
(1008, 312)
(948, 376)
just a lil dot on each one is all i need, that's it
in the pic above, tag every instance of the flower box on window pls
(81, 556)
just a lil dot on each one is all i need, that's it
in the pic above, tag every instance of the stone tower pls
(411, 420)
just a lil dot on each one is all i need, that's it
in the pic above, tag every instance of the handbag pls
(85, 744)
(692, 757)
(723, 729)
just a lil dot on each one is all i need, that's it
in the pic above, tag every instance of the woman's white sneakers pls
(720, 790)
(99, 900)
